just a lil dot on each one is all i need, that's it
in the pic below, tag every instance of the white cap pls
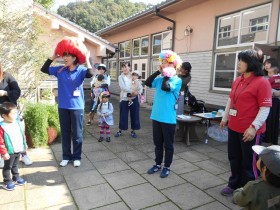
(101, 65)
(136, 72)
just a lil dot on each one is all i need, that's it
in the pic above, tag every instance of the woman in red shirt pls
(246, 111)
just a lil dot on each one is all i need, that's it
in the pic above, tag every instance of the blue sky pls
(65, 2)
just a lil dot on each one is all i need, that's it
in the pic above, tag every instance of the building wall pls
(198, 47)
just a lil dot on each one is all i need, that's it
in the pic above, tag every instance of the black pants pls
(242, 159)
(11, 165)
(163, 136)
(272, 123)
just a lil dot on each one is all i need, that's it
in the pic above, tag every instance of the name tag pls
(233, 112)
(76, 93)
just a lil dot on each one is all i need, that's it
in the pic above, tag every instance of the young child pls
(99, 86)
(262, 194)
(105, 116)
(136, 86)
(12, 143)
(274, 77)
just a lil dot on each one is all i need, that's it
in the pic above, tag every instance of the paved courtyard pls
(113, 175)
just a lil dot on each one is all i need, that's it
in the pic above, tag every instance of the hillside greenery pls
(98, 14)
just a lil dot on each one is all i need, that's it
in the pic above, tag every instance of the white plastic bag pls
(218, 134)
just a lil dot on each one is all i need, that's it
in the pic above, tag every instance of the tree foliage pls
(46, 3)
(97, 14)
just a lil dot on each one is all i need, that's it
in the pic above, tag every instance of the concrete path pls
(113, 175)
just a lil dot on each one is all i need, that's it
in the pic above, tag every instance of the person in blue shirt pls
(70, 78)
(164, 110)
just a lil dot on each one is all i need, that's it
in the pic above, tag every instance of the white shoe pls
(64, 163)
(77, 163)
(26, 160)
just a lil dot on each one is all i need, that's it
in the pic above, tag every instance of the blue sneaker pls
(154, 169)
(133, 134)
(165, 172)
(100, 139)
(20, 181)
(9, 186)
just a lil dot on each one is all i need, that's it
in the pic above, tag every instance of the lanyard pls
(234, 95)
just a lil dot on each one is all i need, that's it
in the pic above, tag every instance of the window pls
(136, 47)
(259, 24)
(244, 28)
(155, 65)
(225, 66)
(112, 69)
(224, 32)
(125, 49)
(236, 32)
(162, 41)
(140, 46)
(144, 46)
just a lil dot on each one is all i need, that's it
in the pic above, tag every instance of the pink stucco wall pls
(202, 19)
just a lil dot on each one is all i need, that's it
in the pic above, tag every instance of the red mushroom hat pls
(74, 46)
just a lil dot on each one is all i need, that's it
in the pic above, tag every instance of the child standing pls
(105, 116)
(274, 77)
(262, 194)
(99, 86)
(136, 86)
(12, 143)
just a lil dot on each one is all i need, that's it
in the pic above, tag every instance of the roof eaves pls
(73, 24)
(136, 16)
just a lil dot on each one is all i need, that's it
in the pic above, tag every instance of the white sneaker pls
(77, 163)
(64, 163)
(26, 160)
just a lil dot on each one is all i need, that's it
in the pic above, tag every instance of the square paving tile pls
(95, 196)
(13, 206)
(123, 179)
(101, 155)
(92, 147)
(164, 206)
(15, 196)
(187, 196)
(204, 148)
(65, 206)
(146, 148)
(142, 166)
(182, 166)
(84, 179)
(212, 206)
(131, 156)
(192, 156)
(39, 179)
(211, 167)
(39, 198)
(86, 165)
(117, 147)
(215, 192)
(160, 183)
(203, 179)
(115, 206)
(110, 166)
(220, 156)
(141, 196)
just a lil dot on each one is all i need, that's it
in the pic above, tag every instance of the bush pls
(38, 118)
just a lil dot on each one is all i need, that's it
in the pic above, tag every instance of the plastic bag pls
(216, 133)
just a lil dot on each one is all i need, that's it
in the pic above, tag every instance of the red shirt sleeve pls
(3, 149)
(265, 93)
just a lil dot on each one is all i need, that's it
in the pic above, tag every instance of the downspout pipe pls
(170, 20)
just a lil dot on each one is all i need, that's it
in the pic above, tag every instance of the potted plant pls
(39, 118)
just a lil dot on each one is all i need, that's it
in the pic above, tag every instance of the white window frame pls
(264, 24)
(240, 28)
(234, 73)
(134, 48)
(126, 43)
(162, 33)
(141, 46)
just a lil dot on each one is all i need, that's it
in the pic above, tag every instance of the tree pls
(21, 52)
(96, 14)
(45, 3)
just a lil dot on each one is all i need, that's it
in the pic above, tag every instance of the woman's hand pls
(134, 93)
(54, 56)
(249, 134)
(3, 93)
(223, 124)
(6, 156)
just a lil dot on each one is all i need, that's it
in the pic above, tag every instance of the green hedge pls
(38, 117)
